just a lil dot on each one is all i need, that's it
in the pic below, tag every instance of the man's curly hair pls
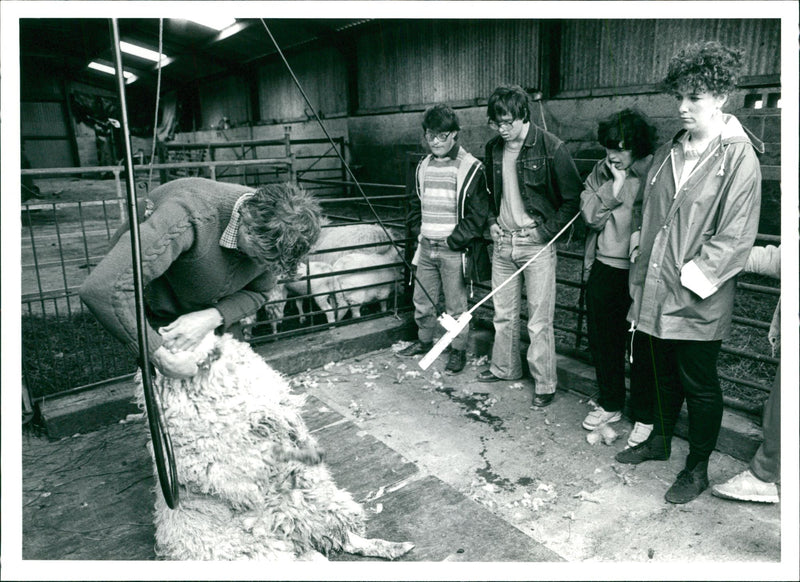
(284, 223)
(704, 67)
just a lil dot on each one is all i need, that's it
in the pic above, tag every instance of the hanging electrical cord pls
(162, 445)
(158, 100)
(454, 326)
(347, 166)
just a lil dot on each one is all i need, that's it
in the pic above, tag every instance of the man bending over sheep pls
(449, 213)
(210, 253)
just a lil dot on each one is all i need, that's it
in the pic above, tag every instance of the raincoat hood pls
(732, 132)
(695, 237)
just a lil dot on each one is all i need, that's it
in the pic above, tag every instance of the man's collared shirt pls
(230, 236)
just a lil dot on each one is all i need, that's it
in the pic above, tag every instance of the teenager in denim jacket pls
(536, 187)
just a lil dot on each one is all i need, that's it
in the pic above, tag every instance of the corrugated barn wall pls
(228, 97)
(323, 76)
(45, 135)
(620, 54)
(406, 63)
(47, 138)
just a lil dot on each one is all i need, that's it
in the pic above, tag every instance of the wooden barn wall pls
(615, 54)
(228, 97)
(419, 62)
(46, 136)
(323, 77)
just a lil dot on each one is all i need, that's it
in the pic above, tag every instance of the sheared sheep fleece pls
(248, 490)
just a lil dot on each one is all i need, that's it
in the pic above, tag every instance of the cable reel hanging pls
(162, 444)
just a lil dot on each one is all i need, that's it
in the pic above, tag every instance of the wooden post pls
(287, 132)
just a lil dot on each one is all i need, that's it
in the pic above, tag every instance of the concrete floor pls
(484, 485)
(535, 469)
(468, 471)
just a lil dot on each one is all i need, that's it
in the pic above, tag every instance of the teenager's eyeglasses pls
(430, 136)
(501, 125)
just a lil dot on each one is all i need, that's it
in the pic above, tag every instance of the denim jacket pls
(549, 182)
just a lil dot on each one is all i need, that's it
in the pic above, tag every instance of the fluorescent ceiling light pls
(142, 52)
(214, 22)
(130, 77)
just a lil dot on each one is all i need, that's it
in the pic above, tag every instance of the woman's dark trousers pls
(686, 369)
(607, 303)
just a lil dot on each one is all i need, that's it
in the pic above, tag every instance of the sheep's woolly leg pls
(375, 547)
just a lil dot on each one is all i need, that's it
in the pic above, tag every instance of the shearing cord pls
(347, 166)
(162, 444)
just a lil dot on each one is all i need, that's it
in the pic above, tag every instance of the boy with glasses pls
(536, 190)
(448, 215)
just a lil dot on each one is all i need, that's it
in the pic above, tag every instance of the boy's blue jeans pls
(511, 251)
(439, 271)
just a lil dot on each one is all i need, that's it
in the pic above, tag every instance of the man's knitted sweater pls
(184, 267)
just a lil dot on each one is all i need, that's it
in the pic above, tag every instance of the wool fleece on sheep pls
(253, 485)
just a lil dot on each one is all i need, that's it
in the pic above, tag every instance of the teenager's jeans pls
(439, 270)
(511, 251)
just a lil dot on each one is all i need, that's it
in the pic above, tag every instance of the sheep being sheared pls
(252, 482)
(359, 288)
(322, 289)
(348, 235)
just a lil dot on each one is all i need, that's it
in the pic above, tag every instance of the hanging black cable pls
(347, 166)
(162, 445)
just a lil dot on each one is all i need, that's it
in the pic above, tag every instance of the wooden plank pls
(359, 462)
(89, 497)
(317, 414)
(446, 525)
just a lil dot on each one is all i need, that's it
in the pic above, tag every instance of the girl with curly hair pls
(699, 219)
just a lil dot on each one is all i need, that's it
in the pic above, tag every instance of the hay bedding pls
(252, 482)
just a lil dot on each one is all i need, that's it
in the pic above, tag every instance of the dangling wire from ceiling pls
(158, 100)
(346, 165)
(162, 444)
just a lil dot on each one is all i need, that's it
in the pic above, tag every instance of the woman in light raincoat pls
(699, 220)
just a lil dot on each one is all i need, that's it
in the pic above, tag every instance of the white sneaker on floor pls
(639, 433)
(747, 487)
(600, 416)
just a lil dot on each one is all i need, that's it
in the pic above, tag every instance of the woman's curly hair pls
(628, 129)
(283, 221)
(704, 67)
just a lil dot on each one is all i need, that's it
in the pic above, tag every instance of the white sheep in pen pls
(348, 235)
(322, 288)
(359, 288)
(252, 482)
